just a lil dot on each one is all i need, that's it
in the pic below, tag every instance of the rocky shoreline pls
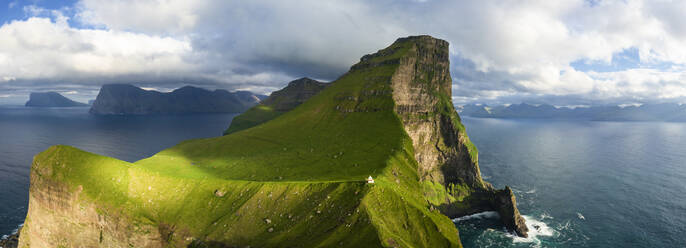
(10, 241)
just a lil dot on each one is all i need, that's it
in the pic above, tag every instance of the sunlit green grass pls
(303, 170)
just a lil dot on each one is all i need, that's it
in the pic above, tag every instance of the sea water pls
(583, 183)
(578, 183)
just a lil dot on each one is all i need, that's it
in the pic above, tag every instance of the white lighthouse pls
(370, 179)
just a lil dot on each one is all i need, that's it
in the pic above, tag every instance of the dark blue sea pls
(578, 183)
(583, 183)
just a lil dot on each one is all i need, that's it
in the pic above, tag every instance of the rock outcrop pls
(423, 97)
(11, 241)
(51, 99)
(281, 101)
(126, 99)
(58, 214)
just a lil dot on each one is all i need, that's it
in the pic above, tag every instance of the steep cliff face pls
(422, 93)
(51, 99)
(281, 101)
(62, 215)
(446, 157)
(126, 99)
(296, 180)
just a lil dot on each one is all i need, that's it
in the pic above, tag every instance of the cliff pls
(51, 99)
(126, 99)
(279, 102)
(423, 99)
(296, 180)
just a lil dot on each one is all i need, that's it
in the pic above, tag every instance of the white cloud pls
(501, 50)
(534, 44)
(163, 16)
(38, 48)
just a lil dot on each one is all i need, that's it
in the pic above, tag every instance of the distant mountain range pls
(645, 112)
(126, 99)
(51, 99)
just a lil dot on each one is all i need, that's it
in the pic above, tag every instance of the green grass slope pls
(252, 117)
(294, 181)
(279, 102)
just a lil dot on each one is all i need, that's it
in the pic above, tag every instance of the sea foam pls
(536, 229)
(482, 215)
(580, 216)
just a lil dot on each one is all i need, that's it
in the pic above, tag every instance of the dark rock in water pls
(507, 208)
(51, 99)
(12, 241)
(126, 99)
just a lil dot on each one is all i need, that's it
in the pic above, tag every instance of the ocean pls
(578, 183)
(583, 183)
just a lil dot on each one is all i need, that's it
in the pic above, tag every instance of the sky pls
(565, 53)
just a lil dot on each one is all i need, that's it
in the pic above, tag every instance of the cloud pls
(501, 51)
(157, 17)
(38, 48)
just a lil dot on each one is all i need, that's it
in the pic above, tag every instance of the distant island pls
(51, 99)
(126, 99)
(646, 112)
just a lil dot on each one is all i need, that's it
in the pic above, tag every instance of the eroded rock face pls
(422, 94)
(58, 217)
(505, 199)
